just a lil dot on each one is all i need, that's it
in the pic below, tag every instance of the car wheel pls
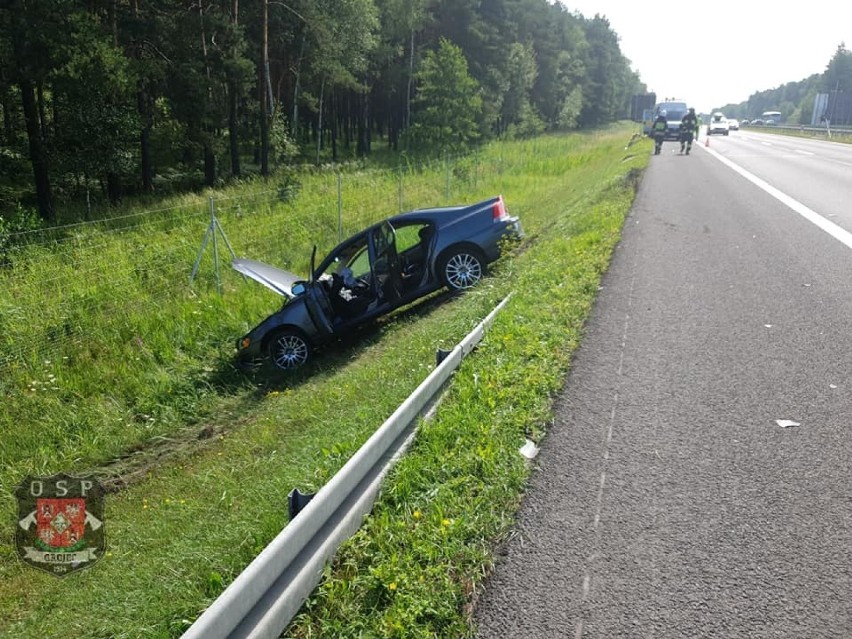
(288, 350)
(462, 268)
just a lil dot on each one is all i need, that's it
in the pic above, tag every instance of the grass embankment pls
(180, 533)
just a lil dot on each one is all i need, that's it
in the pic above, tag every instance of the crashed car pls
(386, 266)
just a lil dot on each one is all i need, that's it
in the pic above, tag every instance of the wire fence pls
(74, 287)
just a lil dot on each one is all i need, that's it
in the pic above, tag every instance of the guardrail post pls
(296, 501)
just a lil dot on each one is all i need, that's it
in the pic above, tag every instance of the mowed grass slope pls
(181, 530)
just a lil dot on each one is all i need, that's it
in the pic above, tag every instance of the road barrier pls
(266, 596)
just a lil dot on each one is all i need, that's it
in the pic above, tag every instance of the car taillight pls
(498, 210)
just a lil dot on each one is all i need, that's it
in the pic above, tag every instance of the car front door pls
(318, 304)
(385, 263)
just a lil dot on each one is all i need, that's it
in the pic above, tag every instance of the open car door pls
(386, 268)
(317, 302)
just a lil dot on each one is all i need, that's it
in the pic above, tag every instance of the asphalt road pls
(667, 501)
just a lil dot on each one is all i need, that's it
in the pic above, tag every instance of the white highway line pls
(838, 233)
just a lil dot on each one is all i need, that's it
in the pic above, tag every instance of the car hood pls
(272, 278)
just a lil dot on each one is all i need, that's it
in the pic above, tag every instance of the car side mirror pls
(298, 288)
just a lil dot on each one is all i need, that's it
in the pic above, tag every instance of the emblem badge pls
(60, 523)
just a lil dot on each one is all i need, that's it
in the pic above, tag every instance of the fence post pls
(447, 160)
(476, 171)
(399, 170)
(215, 245)
(211, 230)
(339, 206)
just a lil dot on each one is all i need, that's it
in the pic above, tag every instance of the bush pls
(16, 229)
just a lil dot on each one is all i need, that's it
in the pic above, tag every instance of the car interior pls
(349, 279)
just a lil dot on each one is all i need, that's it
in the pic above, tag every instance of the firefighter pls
(658, 131)
(689, 128)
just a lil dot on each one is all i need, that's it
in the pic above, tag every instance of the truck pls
(675, 110)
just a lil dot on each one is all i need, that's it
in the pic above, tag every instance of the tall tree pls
(448, 106)
(31, 35)
(95, 131)
(517, 112)
(238, 71)
(474, 26)
(342, 35)
(608, 82)
(197, 84)
(838, 73)
(395, 59)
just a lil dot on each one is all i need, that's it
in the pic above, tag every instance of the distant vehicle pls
(771, 117)
(718, 124)
(733, 124)
(675, 110)
(745, 123)
(388, 265)
(758, 122)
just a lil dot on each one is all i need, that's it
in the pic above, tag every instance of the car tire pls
(461, 268)
(288, 350)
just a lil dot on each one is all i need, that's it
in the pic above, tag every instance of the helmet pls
(692, 109)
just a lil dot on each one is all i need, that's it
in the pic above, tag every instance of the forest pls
(795, 100)
(110, 99)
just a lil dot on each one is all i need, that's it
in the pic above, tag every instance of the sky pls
(724, 52)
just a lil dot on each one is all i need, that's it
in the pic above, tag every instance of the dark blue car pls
(386, 266)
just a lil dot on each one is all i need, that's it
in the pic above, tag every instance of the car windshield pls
(674, 110)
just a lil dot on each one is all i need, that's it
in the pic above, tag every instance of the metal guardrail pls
(264, 598)
(798, 128)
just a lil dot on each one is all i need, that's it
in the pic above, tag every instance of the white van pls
(675, 110)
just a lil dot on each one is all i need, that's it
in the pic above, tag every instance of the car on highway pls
(718, 124)
(388, 265)
(733, 124)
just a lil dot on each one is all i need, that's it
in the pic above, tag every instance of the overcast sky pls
(726, 51)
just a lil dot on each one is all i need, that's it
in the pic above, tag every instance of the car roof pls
(439, 216)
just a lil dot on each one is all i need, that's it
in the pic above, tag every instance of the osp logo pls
(60, 523)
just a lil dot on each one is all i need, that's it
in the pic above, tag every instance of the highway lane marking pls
(804, 152)
(602, 480)
(838, 233)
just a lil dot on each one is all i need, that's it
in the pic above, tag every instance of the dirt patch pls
(137, 463)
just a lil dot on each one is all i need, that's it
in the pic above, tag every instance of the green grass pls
(197, 510)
